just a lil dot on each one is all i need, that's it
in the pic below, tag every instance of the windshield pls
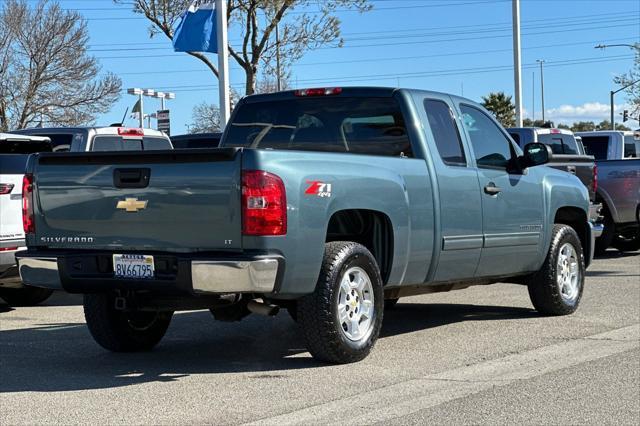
(360, 125)
(118, 143)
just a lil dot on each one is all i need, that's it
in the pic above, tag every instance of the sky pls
(462, 47)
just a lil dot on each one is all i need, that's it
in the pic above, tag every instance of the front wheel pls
(341, 319)
(123, 331)
(556, 289)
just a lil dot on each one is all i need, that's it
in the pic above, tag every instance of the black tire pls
(627, 242)
(121, 331)
(26, 296)
(318, 312)
(544, 289)
(390, 303)
(608, 233)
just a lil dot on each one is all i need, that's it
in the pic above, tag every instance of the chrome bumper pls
(40, 272)
(207, 276)
(257, 276)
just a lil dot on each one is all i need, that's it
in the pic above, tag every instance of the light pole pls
(162, 96)
(611, 94)
(541, 62)
(517, 78)
(139, 93)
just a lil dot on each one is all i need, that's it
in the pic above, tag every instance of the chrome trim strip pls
(462, 242)
(257, 276)
(40, 272)
(514, 239)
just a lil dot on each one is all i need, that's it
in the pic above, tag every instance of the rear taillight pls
(264, 204)
(28, 220)
(6, 188)
(595, 178)
(8, 248)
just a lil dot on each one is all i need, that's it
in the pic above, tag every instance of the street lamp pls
(541, 62)
(612, 93)
(139, 93)
(604, 46)
(162, 96)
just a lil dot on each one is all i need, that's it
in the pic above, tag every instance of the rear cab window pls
(630, 149)
(598, 146)
(118, 143)
(360, 125)
(560, 143)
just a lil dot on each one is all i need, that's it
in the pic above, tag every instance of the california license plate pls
(137, 266)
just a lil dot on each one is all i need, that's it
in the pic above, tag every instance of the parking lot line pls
(409, 397)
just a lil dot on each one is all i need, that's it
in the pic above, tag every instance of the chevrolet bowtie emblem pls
(131, 205)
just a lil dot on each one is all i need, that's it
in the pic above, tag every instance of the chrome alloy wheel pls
(356, 305)
(568, 273)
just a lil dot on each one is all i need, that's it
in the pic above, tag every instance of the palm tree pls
(501, 106)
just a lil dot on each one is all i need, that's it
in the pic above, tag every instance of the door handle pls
(492, 189)
(131, 178)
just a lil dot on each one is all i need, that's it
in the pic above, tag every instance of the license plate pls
(137, 266)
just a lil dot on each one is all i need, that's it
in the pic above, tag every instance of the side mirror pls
(536, 154)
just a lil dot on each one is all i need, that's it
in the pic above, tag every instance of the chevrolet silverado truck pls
(618, 188)
(330, 203)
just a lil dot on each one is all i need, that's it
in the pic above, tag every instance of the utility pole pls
(516, 61)
(223, 62)
(541, 62)
(278, 70)
(533, 96)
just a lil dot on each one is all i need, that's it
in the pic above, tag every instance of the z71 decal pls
(318, 188)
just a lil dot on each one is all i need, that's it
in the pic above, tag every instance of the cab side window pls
(491, 147)
(445, 132)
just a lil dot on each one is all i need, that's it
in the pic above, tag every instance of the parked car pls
(325, 202)
(112, 138)
(567, 153)
(196, 140)
(14, 151)
(618, 186)
(610, 144)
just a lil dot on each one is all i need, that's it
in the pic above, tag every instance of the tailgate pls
(175, 201)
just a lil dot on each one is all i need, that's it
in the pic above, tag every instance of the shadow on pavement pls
(63, 356)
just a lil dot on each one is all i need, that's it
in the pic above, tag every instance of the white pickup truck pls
(14, 151)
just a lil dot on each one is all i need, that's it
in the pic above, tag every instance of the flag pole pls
(223, 61)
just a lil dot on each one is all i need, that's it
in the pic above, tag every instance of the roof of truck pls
(25, 138)
(101, 130)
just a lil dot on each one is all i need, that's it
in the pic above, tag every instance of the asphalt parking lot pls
(476, 356)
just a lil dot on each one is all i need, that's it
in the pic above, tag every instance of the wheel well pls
(370, 228)
(577, 219)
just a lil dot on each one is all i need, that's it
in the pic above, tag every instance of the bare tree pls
(303, 25)
(45, 71)
(268, 84)
(632, 80)
(205, 118)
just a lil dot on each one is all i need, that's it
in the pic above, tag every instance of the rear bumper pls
(176, 274)
(9, 277)
(595, 230)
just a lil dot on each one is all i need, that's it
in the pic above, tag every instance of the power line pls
(434, 73)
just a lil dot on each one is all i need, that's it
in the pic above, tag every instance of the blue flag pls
(197, 31)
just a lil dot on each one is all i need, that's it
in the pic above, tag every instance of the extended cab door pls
(458, 198)
(512, 202)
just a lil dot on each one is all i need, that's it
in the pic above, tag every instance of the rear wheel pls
(606, 238)
(341, 319)
(25, 296)
(627, 242)
(123, 331)
(556, 289)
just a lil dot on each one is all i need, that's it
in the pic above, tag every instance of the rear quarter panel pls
(396, 187)
(619, 187)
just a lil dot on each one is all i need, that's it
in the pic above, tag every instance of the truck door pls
(460, 206)
(512, 202)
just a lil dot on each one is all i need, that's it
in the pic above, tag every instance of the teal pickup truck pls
(330, 203)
